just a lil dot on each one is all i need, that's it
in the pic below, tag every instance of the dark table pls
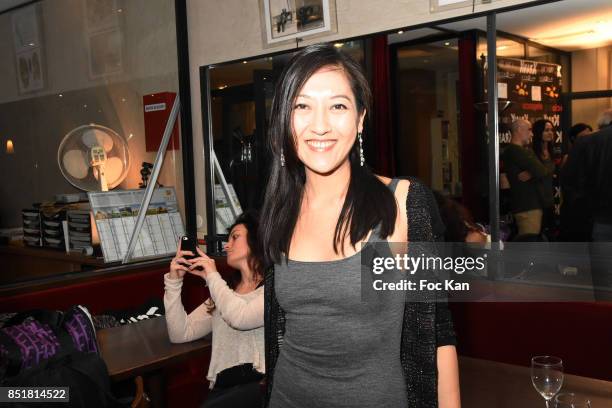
(486, 384)
(144, 349)
(21, 263)
(140, 348)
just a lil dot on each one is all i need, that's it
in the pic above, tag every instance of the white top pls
(237, 324)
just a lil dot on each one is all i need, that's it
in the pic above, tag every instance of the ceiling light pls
(244, 62)
(222, 87)
(338, 45)
(604, 28)
(400, 32)
(9, 147)
(447, 43)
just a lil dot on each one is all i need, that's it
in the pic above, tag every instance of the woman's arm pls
(181, 326)
(428, 227)
(448, 378)
(237, 312)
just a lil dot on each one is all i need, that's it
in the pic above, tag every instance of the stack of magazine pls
(79, 230)
(31, 227)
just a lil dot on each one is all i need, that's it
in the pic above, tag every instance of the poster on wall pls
(534, 88)
(104, 37)
(439, 5)
(28, 49)
(101, 15)
(289, 20)
(105, 53)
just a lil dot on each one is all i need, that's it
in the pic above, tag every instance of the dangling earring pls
(361, 158)
(282, 158)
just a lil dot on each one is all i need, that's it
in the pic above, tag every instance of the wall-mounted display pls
(284, 20)
(115, 213)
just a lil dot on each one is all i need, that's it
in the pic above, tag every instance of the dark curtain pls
(384, 162)
(473, 175)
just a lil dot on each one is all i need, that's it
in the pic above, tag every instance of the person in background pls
(234, 314)
(576, 220)
(460, 226)
(576, 132)
(524, 172)
(325, 345)
(542, 144)
(586, 176)
(579, 130)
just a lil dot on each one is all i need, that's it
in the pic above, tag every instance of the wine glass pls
(571, 400)
(547, 376)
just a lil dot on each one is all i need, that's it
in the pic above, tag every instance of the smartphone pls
(189, 244)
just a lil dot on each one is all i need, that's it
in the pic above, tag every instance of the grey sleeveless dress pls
(338, 350)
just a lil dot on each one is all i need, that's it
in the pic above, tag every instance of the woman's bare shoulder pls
(401, 195)
(401, 222)
(401, 191)
(385, 180)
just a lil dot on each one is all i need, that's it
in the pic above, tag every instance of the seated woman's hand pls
(202, 265)
(179, 265)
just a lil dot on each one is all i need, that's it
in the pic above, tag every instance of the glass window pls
(543, 55)
(590, 69)
(428, 120)
(505, 48)
(86, 92)
(589, 110)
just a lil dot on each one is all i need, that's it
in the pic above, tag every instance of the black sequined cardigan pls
(427, 325)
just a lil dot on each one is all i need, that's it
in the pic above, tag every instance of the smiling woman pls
(321, 203)
(326, 120)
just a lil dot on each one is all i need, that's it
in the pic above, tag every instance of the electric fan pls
(93, 158)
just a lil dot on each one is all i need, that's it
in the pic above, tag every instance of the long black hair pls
(576, 129)
(538, 137)
(250, 220)
(368, 201)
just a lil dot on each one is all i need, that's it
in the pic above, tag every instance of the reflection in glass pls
(428, 76)
(99, 66)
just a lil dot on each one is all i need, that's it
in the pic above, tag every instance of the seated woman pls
(234, 313)
(459, 223)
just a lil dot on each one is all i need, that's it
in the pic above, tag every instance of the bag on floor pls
(43, 348)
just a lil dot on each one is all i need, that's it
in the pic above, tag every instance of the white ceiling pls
(568, 25)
